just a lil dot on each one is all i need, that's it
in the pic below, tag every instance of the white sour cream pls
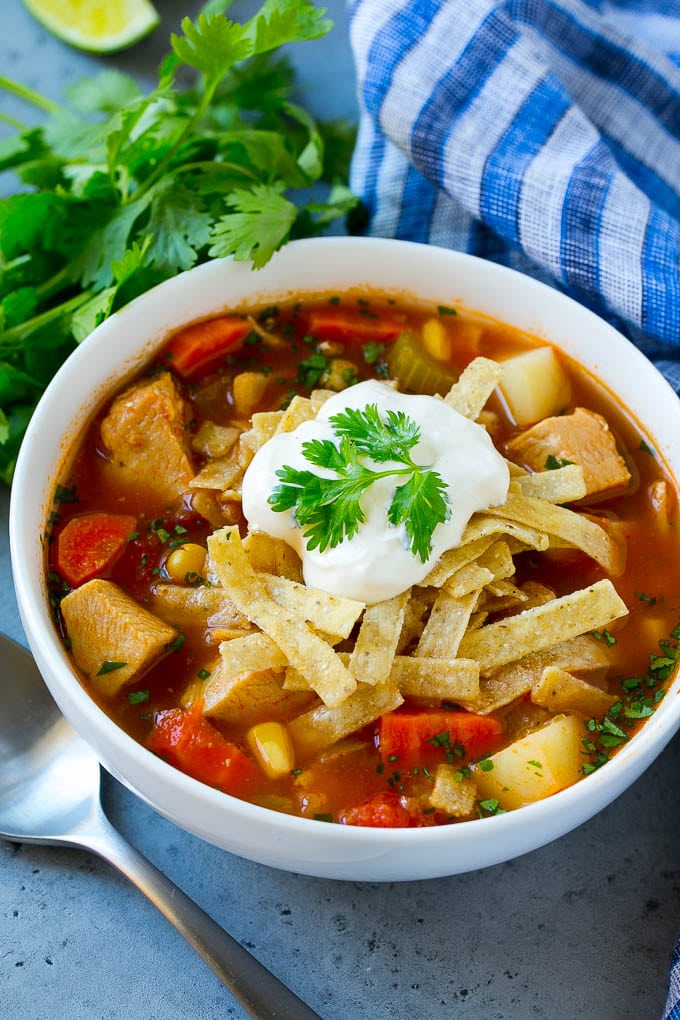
(377, 564)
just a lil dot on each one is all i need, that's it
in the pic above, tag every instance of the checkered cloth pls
(542, 134)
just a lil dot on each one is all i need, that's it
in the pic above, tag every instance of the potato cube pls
(534, 385)
(545, 761)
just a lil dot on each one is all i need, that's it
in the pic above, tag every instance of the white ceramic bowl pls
(121, 345)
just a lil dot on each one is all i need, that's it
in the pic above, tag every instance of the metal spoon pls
(50, 793)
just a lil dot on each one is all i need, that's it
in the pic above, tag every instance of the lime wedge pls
(98, 26)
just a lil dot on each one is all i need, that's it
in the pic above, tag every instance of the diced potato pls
(538, 765)
(534, 385)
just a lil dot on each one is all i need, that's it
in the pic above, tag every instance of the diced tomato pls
(89, 545)
(381, 811)
(410, 738)
(197, 347)
(352, 327)
(185, 739)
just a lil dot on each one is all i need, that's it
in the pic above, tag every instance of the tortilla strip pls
(445, 679)
(303, 649)
(300, 409)
(558, 690)
(493, 565)
(453, 559)
(323, 725)
(328, 613)
(562, 485)
(474, 387)
(576, 529)
(376, 643)
(453, 792)
(542, 626)
(581, 655)
(481, 525)
(446, 625)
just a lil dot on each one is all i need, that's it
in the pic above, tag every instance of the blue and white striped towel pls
(542, 134)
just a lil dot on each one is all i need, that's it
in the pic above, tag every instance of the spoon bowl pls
(49, 777)
(50, 793)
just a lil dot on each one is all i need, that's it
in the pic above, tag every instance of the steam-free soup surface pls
(516, 664)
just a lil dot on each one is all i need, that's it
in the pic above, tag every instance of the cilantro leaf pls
(258, 226)
(329, 510)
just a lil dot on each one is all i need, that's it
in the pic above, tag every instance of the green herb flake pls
(138, 697)
(174, 646)
(203, 674)
(553, 463)
(446, 310)
(646, 448)
(109, 666)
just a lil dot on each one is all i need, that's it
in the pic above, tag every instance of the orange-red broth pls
(361, 787)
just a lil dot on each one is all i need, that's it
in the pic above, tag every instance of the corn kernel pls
(186, 563)
(436, 340)
(271, 744)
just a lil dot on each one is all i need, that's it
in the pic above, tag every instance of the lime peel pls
(97, 26)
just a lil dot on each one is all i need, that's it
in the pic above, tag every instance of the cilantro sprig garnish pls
(125, 189)
(329, 509)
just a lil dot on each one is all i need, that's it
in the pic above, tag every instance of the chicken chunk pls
(144, 435)
(250, 696)
(582, 437)
(113, 639)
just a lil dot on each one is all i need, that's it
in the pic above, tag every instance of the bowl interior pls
(122, 344)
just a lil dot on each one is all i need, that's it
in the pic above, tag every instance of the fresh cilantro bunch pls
(329, 508)
(128, 189)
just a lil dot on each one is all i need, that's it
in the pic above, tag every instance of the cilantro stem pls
(16, 334)
(12, 122)
(29, 95)
(195, 119)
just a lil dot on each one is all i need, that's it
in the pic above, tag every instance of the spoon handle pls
(260, 993)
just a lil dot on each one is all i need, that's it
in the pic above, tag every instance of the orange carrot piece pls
(185, 739)
(90, 545)
(197, 347)
(409, 738)
(351, 327)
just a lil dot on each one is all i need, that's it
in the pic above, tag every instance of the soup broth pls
(153, 493)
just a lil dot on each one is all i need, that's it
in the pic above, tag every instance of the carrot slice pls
(351, 327)
(195, 348)
(89, 545)
(410, 738)
(185, 739)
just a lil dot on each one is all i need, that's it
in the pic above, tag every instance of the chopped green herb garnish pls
(329, 509)
(646, 448)
(446, 310)
(323, 816)
(490, 807)
(553, 463)
(65, 494)
(372, 351)
(174, 646)
(203, 674)
(137, 697)
(109, 666)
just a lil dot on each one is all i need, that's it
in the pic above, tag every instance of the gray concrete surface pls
(579, 930)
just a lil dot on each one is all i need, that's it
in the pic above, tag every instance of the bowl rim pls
(577, 803)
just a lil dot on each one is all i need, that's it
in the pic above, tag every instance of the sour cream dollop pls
(377, 564)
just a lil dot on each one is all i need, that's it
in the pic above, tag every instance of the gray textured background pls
(578, 930)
